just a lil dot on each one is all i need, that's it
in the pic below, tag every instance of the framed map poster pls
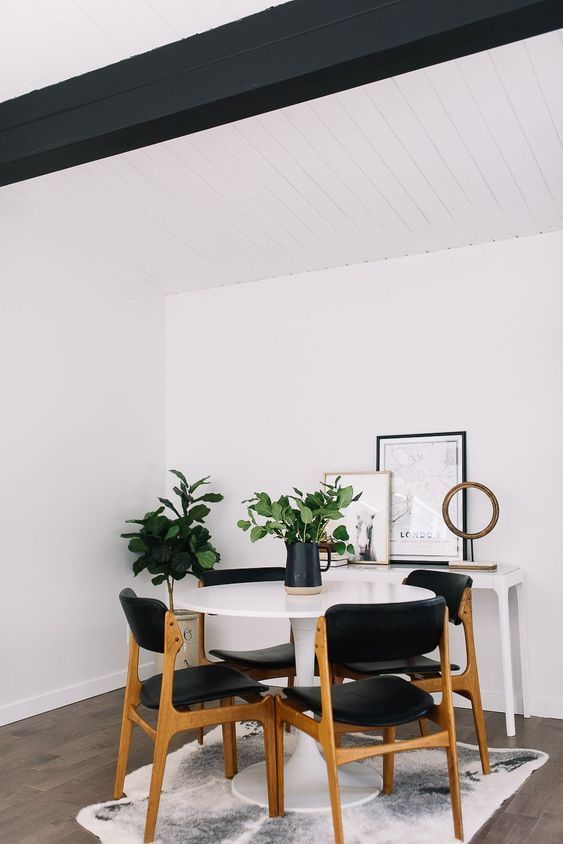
(424, 467)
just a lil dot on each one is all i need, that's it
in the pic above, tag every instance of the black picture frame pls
(462, 476)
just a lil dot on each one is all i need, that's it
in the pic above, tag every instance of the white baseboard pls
(69, 694)
(542, 707)
(547, 707)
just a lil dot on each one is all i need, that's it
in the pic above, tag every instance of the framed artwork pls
(367, 520)
(424, 467)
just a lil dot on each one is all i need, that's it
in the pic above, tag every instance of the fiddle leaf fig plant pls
(303, 517)
(170, 547)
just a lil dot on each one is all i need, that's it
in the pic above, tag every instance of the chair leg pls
(290, 685)
(279, 761)
(334, 789)
(163, 736)
(122, 756)
(453, 774)
(480, 730)
(229, 744)
(270, 753)
(389, 734)
(200, 732)
(423, 726)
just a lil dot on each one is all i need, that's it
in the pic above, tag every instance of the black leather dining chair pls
(373, 633)
(177, 695)
(262, 663)
(425, 672)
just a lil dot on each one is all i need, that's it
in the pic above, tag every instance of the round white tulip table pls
(305, 776)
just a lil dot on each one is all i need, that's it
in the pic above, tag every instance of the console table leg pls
(523, 633)
(506, 654)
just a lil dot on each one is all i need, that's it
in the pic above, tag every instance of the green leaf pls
(198, 513)
(212, 497)
(199, 483)
(263, 508)
(298, 491)
(139, 564)
(358, 496)
(340, 548)
(350, 548)
(179, 475)
(168, 504)
(135, 521)
(206, 559)
(277, 510)
(172, 532)
(345, 496)
(340, 533)
(306, 515)
(243, 524)
(257, 532)
(137, 546)
(159, 579)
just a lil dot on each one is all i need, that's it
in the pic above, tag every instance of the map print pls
(422, 473)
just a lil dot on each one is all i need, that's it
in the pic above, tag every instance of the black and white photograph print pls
(424, 467)
(367, 520)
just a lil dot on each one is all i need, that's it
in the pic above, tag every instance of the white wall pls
(272, 383)
(82, 448)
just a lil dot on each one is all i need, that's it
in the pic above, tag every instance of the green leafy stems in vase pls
(172, 547)
(303, 517)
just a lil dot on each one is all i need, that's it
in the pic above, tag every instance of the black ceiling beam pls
(288, 54)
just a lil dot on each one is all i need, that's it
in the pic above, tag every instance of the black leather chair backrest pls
(447, 584)
(375, 632)
(246, 575)
(145, 617)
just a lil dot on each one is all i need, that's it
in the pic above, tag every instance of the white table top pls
(270, 600)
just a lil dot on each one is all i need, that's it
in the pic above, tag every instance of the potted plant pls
(302, 521)
(170, 547)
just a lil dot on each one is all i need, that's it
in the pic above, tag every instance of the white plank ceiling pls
(464, 152)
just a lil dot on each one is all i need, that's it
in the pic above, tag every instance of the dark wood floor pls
(54, 764)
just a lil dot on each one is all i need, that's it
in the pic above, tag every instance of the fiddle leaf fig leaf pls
(345, 496)
(206, 559)
(172, 531)
(340, 533)
(179, 475)
(211, 497)
(257, 532)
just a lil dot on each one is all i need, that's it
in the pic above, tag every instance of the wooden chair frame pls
(172, 721)
(254, 673)
(465, 684)
(327, 732)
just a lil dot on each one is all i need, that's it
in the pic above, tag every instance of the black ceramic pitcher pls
(303, 568)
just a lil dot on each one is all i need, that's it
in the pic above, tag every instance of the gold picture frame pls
(371, 535)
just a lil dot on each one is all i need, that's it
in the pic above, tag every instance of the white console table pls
(500, 582)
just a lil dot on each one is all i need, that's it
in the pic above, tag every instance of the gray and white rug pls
(197, 806)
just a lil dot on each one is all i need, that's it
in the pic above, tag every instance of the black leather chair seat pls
(374, 702)
(279, 656)
(200, 684)
(410, 665)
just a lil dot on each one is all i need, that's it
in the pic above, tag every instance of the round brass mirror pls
(446, 506)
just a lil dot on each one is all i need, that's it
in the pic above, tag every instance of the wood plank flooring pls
(54, 764)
